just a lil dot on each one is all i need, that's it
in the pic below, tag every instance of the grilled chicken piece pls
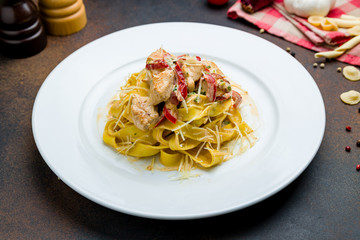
(143, 112)
(161, 86)
(193, 74)
(212, 67)
(192, 69)
(223, 85)
(157, 56)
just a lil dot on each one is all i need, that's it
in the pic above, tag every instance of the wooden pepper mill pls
(21, 31)
(63, 17)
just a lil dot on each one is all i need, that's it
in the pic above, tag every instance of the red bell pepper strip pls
(160, 121)
(181, 56)
(168, 115)
(157, 64)
(198, 58)
(182, 88)
(211, 87)
(237, 98)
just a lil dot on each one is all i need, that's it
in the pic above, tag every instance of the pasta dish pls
(181, 107)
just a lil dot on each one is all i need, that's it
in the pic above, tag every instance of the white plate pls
(68, 132)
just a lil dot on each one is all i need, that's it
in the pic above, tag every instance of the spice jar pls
(21, 31)
(63, 17)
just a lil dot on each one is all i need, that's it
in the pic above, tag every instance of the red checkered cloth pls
(276, 20)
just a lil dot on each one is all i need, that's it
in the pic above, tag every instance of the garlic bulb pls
(306, 8)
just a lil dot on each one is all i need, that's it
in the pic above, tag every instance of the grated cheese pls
(186, 123)
(217, 137)
(198, 152)
(185, 106)
(151, 166)
(227, 113)
(192, 64)
(238, 130)
(206, 104)
(182, 135)
(199, 90)
(119, 121)
(128, 89)
(181, 164)
(209, 138)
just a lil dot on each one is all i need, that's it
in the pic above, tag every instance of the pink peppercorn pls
(348, 148)
(358, 167)
(348, 128)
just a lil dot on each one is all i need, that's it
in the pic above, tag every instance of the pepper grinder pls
(21, 31)
(63, 17)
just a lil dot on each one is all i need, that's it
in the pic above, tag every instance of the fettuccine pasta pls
(180, 107)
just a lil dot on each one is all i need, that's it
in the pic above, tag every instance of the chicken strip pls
(143, 112)
(161, 86)
(192, 69)
(157, 56)
(212, 67)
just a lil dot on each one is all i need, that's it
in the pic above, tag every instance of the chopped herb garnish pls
(229, 88)
(208, 66)
(226, 122)
(175, 88)
(197, 99)
(203, 93)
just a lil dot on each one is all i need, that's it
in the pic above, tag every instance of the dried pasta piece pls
(351, 97)
(351, 73)
(354, 31)
(349, 17)
(315, 20)
(332, 24)
(329, 54)
(345, 23)
(340, 50)
(328, 25)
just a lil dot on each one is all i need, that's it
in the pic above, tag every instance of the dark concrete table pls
(323, 203)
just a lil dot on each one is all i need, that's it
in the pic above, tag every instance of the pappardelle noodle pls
(181, 107)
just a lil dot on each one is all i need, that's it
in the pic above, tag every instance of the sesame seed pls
(315, 65)
(322, 65)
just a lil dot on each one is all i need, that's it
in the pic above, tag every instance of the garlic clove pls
(351, 73)
(351, 97)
